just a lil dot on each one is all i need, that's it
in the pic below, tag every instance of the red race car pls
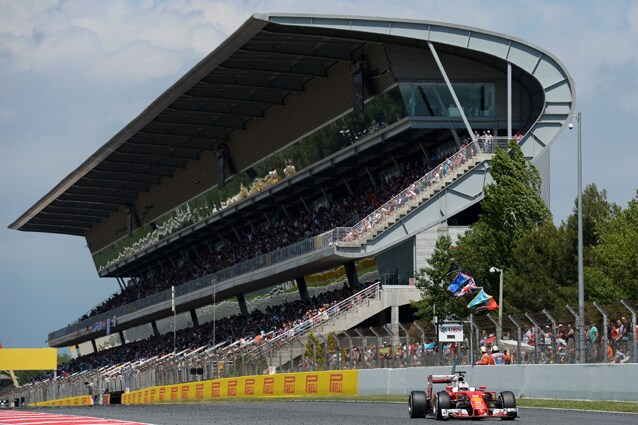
(460, 401)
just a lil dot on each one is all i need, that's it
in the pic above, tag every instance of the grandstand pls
(299, 145)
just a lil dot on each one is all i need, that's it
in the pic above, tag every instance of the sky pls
(75, 72)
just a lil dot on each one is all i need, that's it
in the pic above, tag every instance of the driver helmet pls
(494, 349)
(483, 349)
(463, 385)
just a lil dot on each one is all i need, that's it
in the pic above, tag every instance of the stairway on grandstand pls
(371, 227)
(289, 346)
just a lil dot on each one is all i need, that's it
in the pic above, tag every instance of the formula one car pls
(460, 401)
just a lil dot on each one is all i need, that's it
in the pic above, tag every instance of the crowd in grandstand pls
(281, 231)
(268, 324)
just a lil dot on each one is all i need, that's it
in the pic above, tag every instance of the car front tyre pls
(508, 401)
(441, 401)
(417, 404)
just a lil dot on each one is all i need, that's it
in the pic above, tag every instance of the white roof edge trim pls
(349, 23)
(244, 33)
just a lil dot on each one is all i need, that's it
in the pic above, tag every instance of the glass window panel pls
(433, 99)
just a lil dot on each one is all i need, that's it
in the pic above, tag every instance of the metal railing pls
(338, 310)
(411, 197)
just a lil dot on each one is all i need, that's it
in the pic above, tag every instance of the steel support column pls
(449, 86)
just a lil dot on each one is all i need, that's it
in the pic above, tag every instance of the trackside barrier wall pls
(306, 384)
(84, 400)
(584, 382)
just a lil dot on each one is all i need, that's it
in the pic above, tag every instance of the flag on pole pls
(459, 282)
(480, 299)
(453, 269)
(488, 306)
(469, 288)
(173, 299)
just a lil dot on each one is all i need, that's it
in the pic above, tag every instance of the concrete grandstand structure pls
(289, 114)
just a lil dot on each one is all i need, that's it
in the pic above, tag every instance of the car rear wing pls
(441, 379)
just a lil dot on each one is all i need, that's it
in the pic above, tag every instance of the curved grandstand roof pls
(256, 68)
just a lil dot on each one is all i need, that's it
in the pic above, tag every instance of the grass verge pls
(608, 406)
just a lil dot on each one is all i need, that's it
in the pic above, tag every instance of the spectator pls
(275, 320)
(593, 341)
(299, 226)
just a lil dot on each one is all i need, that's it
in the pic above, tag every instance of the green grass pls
(610, 406)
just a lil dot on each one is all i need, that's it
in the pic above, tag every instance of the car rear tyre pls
(508, 401)
(441, 401)
(417, 404)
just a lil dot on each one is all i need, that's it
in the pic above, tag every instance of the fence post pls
(576, 334)
(326, 353)
(303, 354)
(477, 336)
(554, 343)
(281, 358)
(292, 360)
(350, 348)
(519, 336)
(407, 345)
(364, 342)
(471, 338)
(314, 354)
(604, 338)
(493, 320)
(378, 351)
(634, 348)
(535, 337)
(422, 342)
(388, 329)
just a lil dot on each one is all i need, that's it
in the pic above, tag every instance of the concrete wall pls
(586, 382)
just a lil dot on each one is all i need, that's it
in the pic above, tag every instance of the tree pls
(433, 282)
(613, 273)
(315, 351)
(512, 207)
(538, 277)
(596, 211)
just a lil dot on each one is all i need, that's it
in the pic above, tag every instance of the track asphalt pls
(298, 413)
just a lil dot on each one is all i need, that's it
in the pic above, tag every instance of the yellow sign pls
(28, 359)
(84, 400)
(306, 384)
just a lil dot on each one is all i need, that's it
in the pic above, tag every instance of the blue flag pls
(479, 299)
(459, 281)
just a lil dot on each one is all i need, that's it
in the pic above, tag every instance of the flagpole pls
(214, 282)
(499, 329)
(174, 319)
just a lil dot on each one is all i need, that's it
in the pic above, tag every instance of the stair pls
(280, 356)
(412, 204)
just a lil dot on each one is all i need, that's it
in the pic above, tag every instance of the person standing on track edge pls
(486, 359)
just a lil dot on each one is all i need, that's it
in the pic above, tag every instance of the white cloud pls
(106, 42)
